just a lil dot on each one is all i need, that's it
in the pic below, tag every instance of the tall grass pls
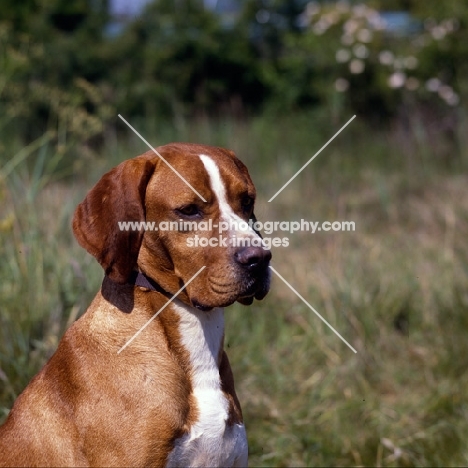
(396, 288)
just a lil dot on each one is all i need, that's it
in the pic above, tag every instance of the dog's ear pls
(118, 196)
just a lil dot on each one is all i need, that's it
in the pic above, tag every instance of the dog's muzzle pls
(254, 262)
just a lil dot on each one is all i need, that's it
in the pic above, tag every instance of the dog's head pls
(183, 233)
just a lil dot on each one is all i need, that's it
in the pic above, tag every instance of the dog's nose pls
(253, 258)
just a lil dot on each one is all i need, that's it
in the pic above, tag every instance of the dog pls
(131, 384)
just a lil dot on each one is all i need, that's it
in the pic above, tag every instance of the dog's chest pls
(210, 441)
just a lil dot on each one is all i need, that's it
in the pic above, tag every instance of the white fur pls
(226, 212)
(210, 441)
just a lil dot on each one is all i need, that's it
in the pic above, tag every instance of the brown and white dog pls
(168, 398)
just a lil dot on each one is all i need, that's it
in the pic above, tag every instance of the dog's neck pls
(202, 332)
(138, 278)
(209, 324)
(202, 336)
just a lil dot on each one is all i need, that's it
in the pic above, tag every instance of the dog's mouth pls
(246, 300)
(221, 287)
(244, 291)
(203, 308)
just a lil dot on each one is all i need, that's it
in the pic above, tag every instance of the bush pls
(349, 57)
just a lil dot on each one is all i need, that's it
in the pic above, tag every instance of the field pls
(395, 288)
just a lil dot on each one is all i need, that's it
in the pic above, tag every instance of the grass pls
(396, 288)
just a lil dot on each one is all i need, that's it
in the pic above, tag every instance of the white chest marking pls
(237, 226)
(210, 441)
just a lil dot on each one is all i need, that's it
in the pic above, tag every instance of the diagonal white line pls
(159, 154)
(160, 310)
(312, 158)
(312, 309)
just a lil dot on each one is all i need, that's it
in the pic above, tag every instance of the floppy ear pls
(118, 196)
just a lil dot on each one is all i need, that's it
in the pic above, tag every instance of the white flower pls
(332, 17)
(411, 62)
(433, 84)
(341, 85)
(376, 21)
(356, 66)
(347, 39)
(438, 33)
(364, 35)
(318, 29)
(386, 57)
(448, 95)
(396, 80)
(360, 10)
(448, 25)
(342, 55)
(451, 24)
(445, 91)
(412, 83)
(342, 6)
(351, 26)
(361, 51)
(312, 8)
(453, 100)
(321, 26)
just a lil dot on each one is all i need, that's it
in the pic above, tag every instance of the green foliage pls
(349, 59)
(177, 55)
(178, 58)
(40, 88)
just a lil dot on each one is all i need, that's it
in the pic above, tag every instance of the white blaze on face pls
(227, 214)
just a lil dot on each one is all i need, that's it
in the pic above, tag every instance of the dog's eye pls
(247, 203)
(189, 210)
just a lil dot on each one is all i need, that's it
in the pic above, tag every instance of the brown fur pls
(90, 406)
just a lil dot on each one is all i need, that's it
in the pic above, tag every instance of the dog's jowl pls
(125, 390)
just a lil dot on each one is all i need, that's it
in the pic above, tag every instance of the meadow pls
(395, 288)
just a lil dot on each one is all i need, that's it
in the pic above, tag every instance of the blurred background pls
(272, 80)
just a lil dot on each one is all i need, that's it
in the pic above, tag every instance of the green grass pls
(396, 288)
